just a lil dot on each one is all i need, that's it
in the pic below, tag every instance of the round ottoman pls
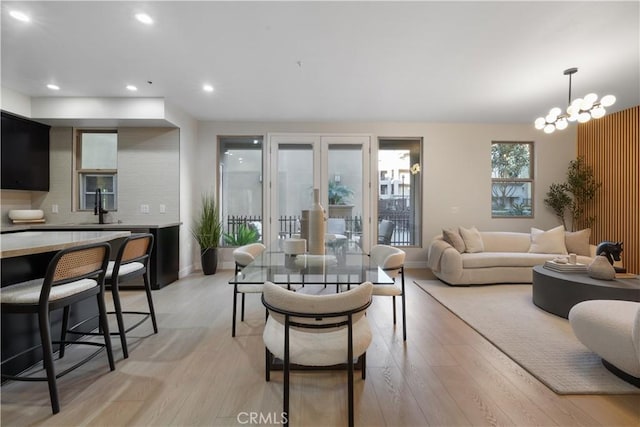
(611, 329)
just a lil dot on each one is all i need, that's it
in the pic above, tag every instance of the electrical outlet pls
(144, 209)
(54, 209)
(163, 208)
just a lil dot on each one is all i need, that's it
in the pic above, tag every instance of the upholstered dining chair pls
(316, 331)
(243, 256)
(385, 232)
(73, 275)
(391, 260)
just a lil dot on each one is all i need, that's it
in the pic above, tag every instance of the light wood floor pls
(194, 374)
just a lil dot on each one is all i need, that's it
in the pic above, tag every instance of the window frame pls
(417, 213)
(80, 173)
(530, 180)
(239, 142)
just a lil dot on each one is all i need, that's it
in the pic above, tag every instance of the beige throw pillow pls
(453, 238)
(548, 242)
(577, 242)
(472, 239)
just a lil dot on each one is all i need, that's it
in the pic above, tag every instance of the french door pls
(338, 165)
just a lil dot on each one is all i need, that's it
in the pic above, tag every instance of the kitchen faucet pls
(97, 207)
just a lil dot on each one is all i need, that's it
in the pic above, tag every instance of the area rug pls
(540, 342)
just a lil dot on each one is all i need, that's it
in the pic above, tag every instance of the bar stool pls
(72, 275)
(132, 261)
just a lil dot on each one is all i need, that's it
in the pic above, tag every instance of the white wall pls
(148, 173)
(155, 163)
(189, 191)
(456, 168)
(15, 102)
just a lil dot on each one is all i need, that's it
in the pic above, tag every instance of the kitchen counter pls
(37, 242)
(85, 226)
(165, 256)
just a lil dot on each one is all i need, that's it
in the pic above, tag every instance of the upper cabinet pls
(25, 154)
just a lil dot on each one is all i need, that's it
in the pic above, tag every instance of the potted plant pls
(207, 230)
(339, 196)
(573, 195)
(243, 236)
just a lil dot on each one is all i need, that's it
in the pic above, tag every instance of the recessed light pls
(53, 87)
(144, 18)
(20, 16)
(132, 88)
(207, 88)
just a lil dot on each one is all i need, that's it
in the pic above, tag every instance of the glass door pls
(338, 166)
(294, 166)
(346, 181)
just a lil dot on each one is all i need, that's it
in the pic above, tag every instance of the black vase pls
(209, 258)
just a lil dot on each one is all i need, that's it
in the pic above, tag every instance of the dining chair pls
(391, 260)
(72, 275)
(316, 331)
(243, 256)
(385, 232)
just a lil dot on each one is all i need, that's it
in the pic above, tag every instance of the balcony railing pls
(290, 225)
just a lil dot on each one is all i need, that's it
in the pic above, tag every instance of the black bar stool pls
(132, 261)
(72, 275)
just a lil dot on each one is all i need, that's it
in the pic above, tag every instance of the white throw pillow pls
(548, 242)
(453, 238)
(473, 240)
(577, 242)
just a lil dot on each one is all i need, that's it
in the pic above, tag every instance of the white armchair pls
(611, 329)
(316, 330)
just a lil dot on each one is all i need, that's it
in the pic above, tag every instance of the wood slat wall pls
(611, 146)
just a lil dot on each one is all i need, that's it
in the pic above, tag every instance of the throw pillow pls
(472, 239)
(548, 242)
(453, 238)
(577, 242)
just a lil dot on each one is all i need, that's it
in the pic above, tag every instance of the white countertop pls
(35, 242)
(10, 228)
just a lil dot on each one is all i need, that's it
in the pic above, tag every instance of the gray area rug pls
(540, 342)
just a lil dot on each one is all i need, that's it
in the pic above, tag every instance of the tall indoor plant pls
(207, 230)
(573, 195)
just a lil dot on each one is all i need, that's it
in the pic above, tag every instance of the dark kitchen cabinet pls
(25, 154)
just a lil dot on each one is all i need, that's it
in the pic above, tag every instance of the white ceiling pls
(498, 62)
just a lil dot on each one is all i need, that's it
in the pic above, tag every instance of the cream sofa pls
(504, 257)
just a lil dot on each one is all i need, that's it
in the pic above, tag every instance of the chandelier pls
(581, 110)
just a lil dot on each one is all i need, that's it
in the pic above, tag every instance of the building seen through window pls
(399, 189)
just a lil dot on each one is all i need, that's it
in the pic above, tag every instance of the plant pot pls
(209, 258)
(340, 211)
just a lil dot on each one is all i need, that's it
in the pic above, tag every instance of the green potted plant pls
(574, 194)
(207, 230)
(243, 236)
(339, 197)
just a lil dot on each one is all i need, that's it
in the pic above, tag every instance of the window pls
(96, 164)
(241, 186)
(511, 179)
(399, 197)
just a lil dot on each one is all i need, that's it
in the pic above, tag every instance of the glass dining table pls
(346, 266)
